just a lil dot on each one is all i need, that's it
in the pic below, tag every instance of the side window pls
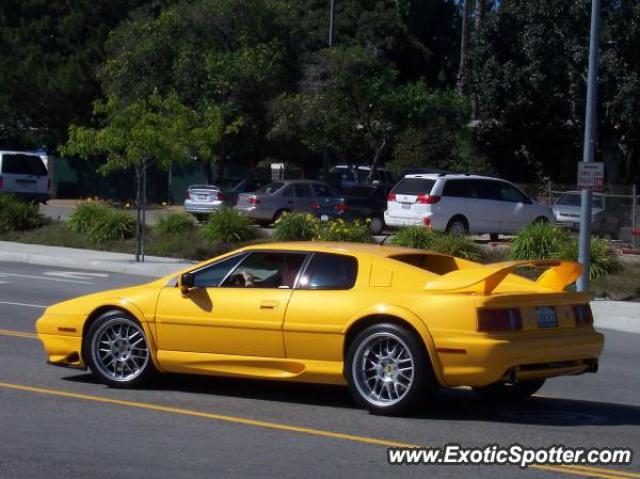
(302, 190)
(485, 190)
(511, 194)
(456, 188)
(266, 270)
(211, 276)
(330, 271)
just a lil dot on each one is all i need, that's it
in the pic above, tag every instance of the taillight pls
(254, 200)
(427, 199)
(391, 197)
(187, 196)
(221, 196)
(499, 320)
(341, 207)
(583, 315)
(1, 183)
(427, 222)
(315, 205)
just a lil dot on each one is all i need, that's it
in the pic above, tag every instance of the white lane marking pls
(24, 304)
(29, 276)
(4, 282)
(75, 274)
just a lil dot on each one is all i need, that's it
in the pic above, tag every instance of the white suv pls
(462, 204)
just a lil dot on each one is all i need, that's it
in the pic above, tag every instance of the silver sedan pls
(202, 200)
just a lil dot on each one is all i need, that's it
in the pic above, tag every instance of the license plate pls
(324, 218)
(203, 197)
(406, 206)
(547, 317)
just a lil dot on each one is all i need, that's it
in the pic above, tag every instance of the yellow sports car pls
(393, 323)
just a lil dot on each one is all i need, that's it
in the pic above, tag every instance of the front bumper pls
(62, 350)
(487, 359)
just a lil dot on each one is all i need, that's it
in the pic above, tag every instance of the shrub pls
(174, 224)
(339, 230)
(415, 237)
(538, 241)
(112, 226)
(229, 226)
(461, 246)
(296, 227)
(16, 215)
(86, 215)
(603, 259)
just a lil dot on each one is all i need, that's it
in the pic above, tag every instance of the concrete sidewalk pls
(89, 259)
(617, 315)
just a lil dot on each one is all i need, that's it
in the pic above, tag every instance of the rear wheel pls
(388, 369)
(494, 237)
(117, 351)
(541, 220)
(510, 391)
(458, 225)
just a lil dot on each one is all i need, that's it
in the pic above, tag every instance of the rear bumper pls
(195, 207)
(398, 221)
(35, 197)
(254, 213)
(487, 360)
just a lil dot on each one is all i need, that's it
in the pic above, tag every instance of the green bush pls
(174, 224)
(339, 230)
(229, 226)
(16, 215)
(461, 246)
(86, 215)
(538, 241)
(113, 226)
(415, 237)
(604, 261)
(296, 227)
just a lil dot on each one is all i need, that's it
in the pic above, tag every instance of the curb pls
(153, 266)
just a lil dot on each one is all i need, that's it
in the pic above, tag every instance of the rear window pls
(270, 188)
(414, 186)
(330, 271)
(19, 164)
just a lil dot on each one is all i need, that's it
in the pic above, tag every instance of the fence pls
(618, 207)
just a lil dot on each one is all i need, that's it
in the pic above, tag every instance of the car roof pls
(338, 247)
(450, 176)
(360, 167)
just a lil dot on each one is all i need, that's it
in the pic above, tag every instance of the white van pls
(462, 204)
(24, 175)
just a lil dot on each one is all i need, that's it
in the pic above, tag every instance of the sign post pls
(584, 248)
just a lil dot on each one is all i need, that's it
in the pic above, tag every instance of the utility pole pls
(584, 250)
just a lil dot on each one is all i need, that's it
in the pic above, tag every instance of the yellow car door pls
(236, 306)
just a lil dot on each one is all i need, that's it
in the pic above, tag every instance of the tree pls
(153, 130)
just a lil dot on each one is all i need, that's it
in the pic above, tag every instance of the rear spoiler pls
(484, 279)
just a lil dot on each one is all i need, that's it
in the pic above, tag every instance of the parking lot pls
(61, 423)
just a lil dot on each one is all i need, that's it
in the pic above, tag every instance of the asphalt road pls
(60, 423)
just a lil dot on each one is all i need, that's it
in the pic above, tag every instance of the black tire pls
(279, 214)
(201, 218)
(129, 350)
(413, 392)
(458, 225)
(377, 225)
(510, 391)
(494, 237)
(541, 220)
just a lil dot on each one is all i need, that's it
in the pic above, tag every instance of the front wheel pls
(510, 391)
(388, 370)
(377, 225)
(117, 351)
(458, 226)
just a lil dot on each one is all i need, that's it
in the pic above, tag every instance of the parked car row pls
(454, 203)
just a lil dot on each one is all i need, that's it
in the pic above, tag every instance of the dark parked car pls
(273, 200)
(364, 203)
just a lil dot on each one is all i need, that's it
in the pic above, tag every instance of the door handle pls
(269, 305)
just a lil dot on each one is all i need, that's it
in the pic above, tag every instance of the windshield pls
(270, 188)
(573, 199)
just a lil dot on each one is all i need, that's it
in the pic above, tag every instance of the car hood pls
(142, 296)
(571, 210)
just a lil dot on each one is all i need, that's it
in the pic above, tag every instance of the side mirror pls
(186, 282)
